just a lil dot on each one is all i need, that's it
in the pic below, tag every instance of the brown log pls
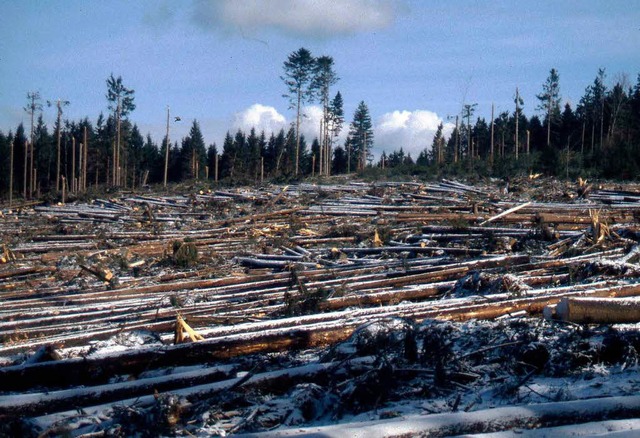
(100, 272)
(599, 310)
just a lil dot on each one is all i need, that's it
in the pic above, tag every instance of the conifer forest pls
(599, 137)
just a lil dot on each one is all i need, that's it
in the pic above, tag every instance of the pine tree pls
(45, 159)
(151, 161)
(324, 77)
(298, 77)
(121, 103)
(19, 159)
(5, 169)
(193, 153)
(339, 162)
(336, 119)
(437, 147)
(254, 153)
(361, 135)
(550, 101)
(228, 158)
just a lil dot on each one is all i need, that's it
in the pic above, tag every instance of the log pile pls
(119, 289)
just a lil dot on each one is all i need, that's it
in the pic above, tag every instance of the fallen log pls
(52, 401)
(599, 310)
(487, 420)
(504, 213)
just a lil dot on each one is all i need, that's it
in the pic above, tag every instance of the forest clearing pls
(343, 308)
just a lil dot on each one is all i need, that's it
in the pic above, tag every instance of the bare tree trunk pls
(117, 165)
(166, 154)
(26, 149)
(321, 152)
(73, 164)
(298, 132)
(549, 123)
(10, 174)
(517, 147)
(113, 170)
(456, 146)
(58, 161)
(492, 132)
(216, 169)
(86, 155)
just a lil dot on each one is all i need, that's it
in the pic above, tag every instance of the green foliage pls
(305, 302)
(185, 254)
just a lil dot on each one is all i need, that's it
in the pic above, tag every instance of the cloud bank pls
(268, 119)
(261, 117)
(300, 18)
(413, 131)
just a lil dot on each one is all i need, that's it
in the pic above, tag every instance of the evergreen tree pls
(550, 101)
(298, 77)
(241, 153)
(193, 153)
(151, 161)
(568, 127)
(277, 152)
(20, 161)
(291, 152)
(437, 148)
(324, 77)
(121, 103)
(339, 163)
(45, 159)
(134, 159)
(361, 135)
(254, 153)
(228, 157)
(5, 170)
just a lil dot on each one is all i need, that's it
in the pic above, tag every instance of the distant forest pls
(599, 137)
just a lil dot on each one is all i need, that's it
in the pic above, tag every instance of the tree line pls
(599, 137)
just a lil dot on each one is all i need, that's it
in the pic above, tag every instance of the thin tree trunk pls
(10, 174)
(86, 155)
(582, 140)
(517, 147)
(298, 131)
(58, 160)
(492, 132)
(216, 169)
(166, 155)
(73, 164)
(549, 122)
(26, 155)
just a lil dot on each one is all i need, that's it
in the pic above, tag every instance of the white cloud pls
(413, 131)
(310, 122)
(268, 119)
(301, 18)
(261, 117)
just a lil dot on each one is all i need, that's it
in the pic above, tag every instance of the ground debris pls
(312, 303)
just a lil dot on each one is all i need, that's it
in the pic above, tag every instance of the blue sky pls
(414, 63)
